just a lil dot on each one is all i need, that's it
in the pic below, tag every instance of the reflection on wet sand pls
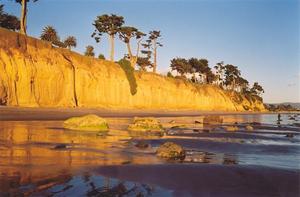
(40, 158)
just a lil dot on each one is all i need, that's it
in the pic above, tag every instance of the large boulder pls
(86, 123)
(170, 150)
(145, 124)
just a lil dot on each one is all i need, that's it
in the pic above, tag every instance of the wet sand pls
(25, 113)
(263, 162)
(212, 180)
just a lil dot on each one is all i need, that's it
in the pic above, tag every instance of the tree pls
(70, 41)
(108, 24)
(101, 57)
(152, 43)
(243, 85)
(144, 63)
(232, 73)
(257, 89)
(24, 14)
(181, 65)
(89, 51)
(220, 72)
(125, 34)
(49, 34)
(8, 21)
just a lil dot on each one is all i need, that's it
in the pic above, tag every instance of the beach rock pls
(249, 128)
(141, 144)
(212, 120)
(171, 150)
(290, 135)
(60, 146)
(197, 122)
(172, 122)
(231, 128)
(182, 126)
(86, 123)
(145, 124)
(292, 118)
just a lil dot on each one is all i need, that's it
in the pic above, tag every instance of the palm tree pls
(70, 42)
(49, 34)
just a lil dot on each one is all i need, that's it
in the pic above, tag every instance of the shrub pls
(101, 57)
(129, 72)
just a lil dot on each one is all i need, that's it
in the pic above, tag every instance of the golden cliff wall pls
(35, 74)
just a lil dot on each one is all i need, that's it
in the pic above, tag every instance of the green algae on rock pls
(170, 150)
(86, 123)
(145, 124)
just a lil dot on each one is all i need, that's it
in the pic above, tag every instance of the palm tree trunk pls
(112, 47)
(23, 17)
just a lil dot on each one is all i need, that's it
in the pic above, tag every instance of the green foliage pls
(49, 34)
(107, 24)
(70, 41)
(169, 74)
(20, 1)
(144, 63)
(101, 57)
(257, 89)
(8, 21)
(180, 65)
(129, 72)
(89, 51)
(126, 33)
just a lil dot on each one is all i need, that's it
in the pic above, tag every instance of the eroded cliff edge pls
(35, 74)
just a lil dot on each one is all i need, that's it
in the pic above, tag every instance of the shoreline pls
(9, 113)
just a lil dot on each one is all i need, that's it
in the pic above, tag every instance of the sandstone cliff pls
(35, 74)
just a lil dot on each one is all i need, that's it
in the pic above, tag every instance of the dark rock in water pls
(297, 124)
(196, 130)
(256, 123)
(197, 122)
(126, 162)
(290, 135)
(292, 118)
(60, 146)
(142, 144)
(171, 150)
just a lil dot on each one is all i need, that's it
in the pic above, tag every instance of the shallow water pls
(32, 161)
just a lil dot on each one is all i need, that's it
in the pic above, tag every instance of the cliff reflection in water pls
(28, 154)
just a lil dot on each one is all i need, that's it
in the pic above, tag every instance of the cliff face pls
(35, 74)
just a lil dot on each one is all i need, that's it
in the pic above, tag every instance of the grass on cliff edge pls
(129, 72)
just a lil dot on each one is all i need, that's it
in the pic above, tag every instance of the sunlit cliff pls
(35, 74)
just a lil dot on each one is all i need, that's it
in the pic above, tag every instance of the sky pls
(261, 37)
